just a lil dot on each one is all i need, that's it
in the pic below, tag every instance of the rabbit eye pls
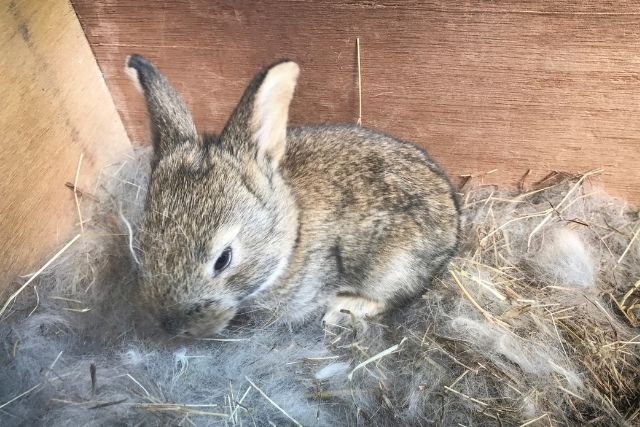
(222, 262)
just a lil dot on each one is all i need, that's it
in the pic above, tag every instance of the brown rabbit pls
(337, 216)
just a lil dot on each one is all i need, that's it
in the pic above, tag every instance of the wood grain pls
(55, 105)
(482, 85)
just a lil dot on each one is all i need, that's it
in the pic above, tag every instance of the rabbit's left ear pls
(171, 122)
(259, 122)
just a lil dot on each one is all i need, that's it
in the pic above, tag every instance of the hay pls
(359, 72)
(535, 323)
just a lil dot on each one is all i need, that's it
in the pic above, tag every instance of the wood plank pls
(482, 85)
(55, 106)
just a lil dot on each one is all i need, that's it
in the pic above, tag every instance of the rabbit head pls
(219, 223)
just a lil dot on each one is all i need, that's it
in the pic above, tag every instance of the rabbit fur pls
(286, 219)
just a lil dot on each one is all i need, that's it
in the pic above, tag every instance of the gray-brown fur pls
(364, 199)
(334, 215)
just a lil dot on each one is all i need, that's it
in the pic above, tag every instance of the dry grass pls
(596, 329)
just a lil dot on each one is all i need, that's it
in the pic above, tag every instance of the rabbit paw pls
(343, 307)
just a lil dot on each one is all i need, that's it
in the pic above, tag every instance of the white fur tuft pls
(333, 369)
(565, 257)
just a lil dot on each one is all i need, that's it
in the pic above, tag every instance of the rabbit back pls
(378, 219)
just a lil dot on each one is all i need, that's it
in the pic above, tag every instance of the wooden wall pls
(484, 85)
(55, 106)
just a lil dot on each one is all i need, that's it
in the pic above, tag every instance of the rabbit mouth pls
(204, 324)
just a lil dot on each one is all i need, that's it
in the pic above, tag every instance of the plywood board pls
(482, 85)
(55, 106)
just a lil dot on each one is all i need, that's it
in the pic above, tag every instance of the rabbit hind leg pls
(402, 276)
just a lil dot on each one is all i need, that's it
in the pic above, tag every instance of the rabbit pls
(338, 217)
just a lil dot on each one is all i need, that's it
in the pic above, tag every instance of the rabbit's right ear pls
(171, 121)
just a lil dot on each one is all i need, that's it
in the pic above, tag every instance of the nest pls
(534, 323)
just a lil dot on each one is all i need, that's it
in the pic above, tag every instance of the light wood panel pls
(55, 106)
(483, 85)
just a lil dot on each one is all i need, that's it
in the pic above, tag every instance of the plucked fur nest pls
(535, 323)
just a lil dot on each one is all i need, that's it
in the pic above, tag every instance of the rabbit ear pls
(171, 122)
(260, 119)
